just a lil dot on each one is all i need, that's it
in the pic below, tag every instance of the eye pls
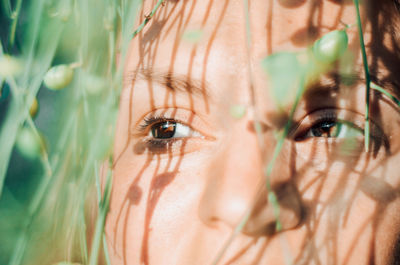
(171, 132)
(170, 129)
(332, 124)
(334, 129)
(341, 132)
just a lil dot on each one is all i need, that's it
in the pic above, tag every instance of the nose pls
(236, 186)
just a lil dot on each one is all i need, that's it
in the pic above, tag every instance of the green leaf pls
(192, 36)
(237, 111)
(284, 71)
(331, 46)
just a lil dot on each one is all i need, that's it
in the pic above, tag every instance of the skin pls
(179, 204)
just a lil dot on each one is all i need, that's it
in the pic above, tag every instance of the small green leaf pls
(29, 144)
(33, 110)
(9, 66)
(58, 77)
(192, 36)
(331, 46)
(284, 71)
(94, 84)
(237, 111)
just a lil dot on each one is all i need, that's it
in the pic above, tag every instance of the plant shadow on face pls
(178, 14)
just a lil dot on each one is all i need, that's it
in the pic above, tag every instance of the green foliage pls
(29, 143)
(284, 71)
(331, 46)
(192, 36)
(78, 121)
(80, 126)
(238, 111)
(58, 77)
(367, 76)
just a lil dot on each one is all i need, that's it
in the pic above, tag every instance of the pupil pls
(323, 129)
(163, 130)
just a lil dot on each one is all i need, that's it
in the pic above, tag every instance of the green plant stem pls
(277, 150)
(106, 254)
(244, 219)
(44, 154)
(36, 201)
(7, 7)
(2, 79)
(233, 235)
(367, 76)
(98, 188)
(383, 91)
(15, 16)
(83, 238)
(147, 19)
(99, 230)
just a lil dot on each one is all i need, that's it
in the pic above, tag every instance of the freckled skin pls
(178, 203)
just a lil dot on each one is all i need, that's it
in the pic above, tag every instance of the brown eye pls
(334, 129)
(163, 130)
(326, 129)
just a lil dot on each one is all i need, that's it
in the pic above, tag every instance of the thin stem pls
(228, 242)
(2, 79)
(277, 150)
(83, 238)
(244, 219)
(367, 76)
(105, 247)
(99, 230)
(147, 19)
(15, 16)
(98, 188)
(44, 154)
(32, 210)
(383, 91)
(7, 7)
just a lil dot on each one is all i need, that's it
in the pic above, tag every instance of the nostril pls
(289, 203)
(266, 215)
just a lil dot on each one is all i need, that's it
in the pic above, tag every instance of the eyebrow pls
(334, 81)
(177, 83)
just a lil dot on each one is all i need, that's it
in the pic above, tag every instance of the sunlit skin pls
(178, 203)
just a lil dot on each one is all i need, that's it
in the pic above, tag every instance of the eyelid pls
(341, 115)
(148, 124)
(183, 116)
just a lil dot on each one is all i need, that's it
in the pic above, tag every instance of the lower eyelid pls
(169, 147)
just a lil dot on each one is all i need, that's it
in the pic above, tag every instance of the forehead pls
(275, 25)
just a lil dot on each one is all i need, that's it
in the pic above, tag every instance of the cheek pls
(353, 203)
(154, 205)
(387, 240)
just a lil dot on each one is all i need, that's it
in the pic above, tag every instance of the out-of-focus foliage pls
(46, 185)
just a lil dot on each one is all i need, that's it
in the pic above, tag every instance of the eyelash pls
(151, 120)
(327, 116)
(343, 117)
(324, 119)
(155, 144)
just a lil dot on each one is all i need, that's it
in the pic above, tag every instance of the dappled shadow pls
(309, 172)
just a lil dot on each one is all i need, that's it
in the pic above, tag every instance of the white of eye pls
(340, 130)
(348, 131)
(182, 131)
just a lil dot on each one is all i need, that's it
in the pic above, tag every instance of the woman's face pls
(198, 126)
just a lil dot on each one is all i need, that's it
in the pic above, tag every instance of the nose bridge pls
(236, 186)
(233, 177)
